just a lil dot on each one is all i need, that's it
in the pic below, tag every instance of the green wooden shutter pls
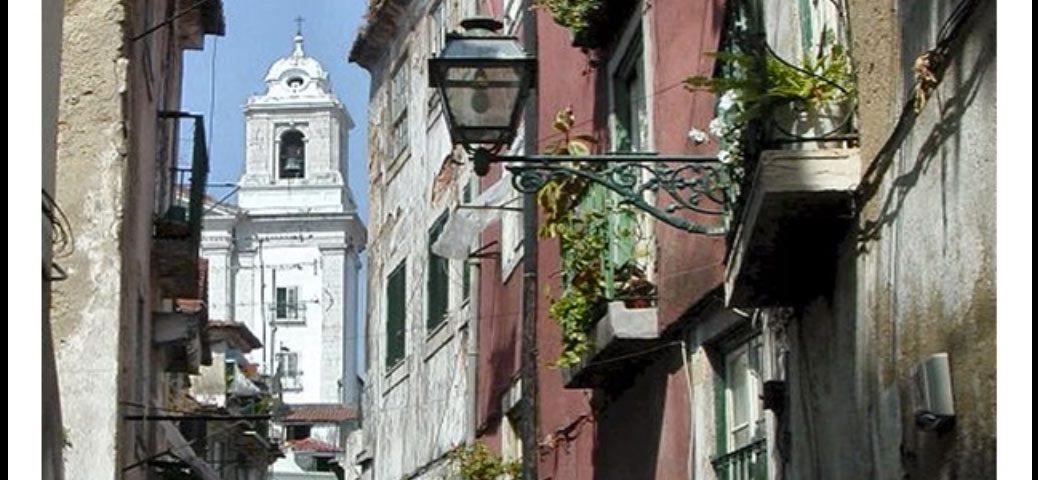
(437, 280)
(396, 313)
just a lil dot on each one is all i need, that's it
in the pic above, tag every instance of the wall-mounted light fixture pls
(934, 400)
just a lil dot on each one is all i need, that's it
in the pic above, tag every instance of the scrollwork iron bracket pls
(691, 183)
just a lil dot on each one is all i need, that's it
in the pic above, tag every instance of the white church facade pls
(285, 260)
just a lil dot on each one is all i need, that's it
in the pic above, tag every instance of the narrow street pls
(522, 239)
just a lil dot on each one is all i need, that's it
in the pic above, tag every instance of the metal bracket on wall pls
(693, 183)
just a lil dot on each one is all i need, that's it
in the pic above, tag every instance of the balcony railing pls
(746, 463)
(181, 186)
(180, 192)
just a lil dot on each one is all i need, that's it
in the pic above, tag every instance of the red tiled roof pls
(312, 445)
(318, 413)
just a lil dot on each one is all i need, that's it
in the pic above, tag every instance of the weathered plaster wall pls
(91, 175)
(418, 410)
(917, 276)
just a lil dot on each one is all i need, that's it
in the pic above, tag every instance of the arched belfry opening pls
(292, 155)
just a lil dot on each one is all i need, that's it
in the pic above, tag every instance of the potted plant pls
(809, 101)
(634, 287)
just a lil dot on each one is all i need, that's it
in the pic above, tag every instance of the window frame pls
(398, 96)
(293, 310)
(396, 353)
(291, 378)
(730, 456)
(442, 287)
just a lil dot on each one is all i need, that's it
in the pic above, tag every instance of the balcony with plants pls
(788, 142)
(606, 305)
(180, 182)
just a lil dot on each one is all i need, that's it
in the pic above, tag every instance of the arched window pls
(292, 157)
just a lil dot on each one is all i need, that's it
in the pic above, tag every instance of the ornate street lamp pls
(484, 80)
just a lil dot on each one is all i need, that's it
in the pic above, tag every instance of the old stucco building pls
(418, 398)
(126, 310)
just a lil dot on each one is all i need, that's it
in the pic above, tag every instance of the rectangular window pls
(630, 108)
(513, 16)
(437, 30)
(437, 290)
(398, 99)
(741, 439)
(438, 27)
(630, 133)
(511, 441)
(511, 234)
(287, 303)
(396, 315)
(288, 365)
(466, 269)
(297, 432)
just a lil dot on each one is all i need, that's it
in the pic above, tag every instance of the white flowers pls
(697, 136)
(717, 127)
(724, 156)
(727, 129)
(727, 102)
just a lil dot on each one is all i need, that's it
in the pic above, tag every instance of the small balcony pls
(180, 335)
(749, 462)
(797, 210)
(179, 196)
(620, 332)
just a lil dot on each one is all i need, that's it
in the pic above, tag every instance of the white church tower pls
(285, 260)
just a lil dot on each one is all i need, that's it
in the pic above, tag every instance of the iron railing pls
(180, 189)
(749, 462)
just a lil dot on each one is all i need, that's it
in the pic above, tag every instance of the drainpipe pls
(528, 402)
(473, 355)
(263, 303)
(273, 326)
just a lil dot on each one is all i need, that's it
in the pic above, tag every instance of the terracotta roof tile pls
(312, 445)
(318, 413)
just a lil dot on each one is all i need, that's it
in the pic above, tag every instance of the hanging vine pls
(586, 232)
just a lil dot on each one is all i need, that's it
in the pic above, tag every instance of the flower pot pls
(800, 125)
(638, 303)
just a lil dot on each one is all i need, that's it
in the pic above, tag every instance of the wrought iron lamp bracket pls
(693, 183)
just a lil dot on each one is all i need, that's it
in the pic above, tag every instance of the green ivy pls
(476, 462)
(575, 15)
(584, 231)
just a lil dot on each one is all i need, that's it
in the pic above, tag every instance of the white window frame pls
(294, 310)
(512, 221)
(637, 31)
(637, 28)
(513, 16)
(754, 388)
(291, 378)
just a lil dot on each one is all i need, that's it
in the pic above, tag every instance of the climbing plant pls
(477, 462)
(581, 216)
(575, 15)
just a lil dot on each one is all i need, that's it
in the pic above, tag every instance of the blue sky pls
(258, 33)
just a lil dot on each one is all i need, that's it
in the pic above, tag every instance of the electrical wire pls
(168, 21)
